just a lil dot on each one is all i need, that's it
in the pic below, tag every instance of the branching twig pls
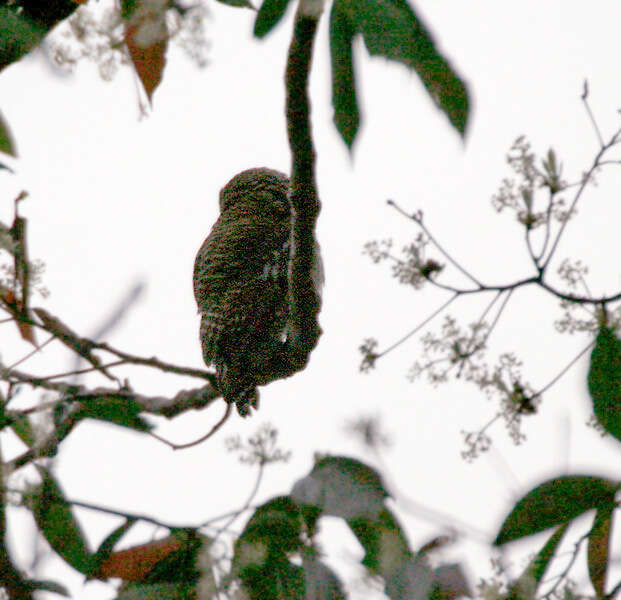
(418, 219)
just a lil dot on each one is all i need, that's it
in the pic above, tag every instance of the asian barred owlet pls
(240, 282)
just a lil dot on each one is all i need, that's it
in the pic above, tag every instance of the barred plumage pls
(240, 282)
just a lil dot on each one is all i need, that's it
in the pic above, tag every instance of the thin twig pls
(564, 370)
(200, 440)
(419, 326)
(419, 220)
(584, 97)
(614, 140)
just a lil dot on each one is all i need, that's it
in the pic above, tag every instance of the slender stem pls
(419, 326)
(564, 370)
(418, 220)
(587, 106)
(585, 180)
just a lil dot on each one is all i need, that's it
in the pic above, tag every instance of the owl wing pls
(240, 286)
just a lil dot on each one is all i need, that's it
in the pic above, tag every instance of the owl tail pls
(236, 391)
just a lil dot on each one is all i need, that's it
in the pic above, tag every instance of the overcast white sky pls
(115, 200)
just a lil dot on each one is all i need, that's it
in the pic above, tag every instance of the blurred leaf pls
(383, 540)
(409, 579)
(102, 554)
(391, 29)
(50, 586)
(605, 381)
(321, 583)
(342, 487)
(450, 583)
(346, 112)
(119, 410)
(146, 36)
(158, 591)
(23, 430)
(261, 558)
(599, 548)
(275, 527)
(168, 560)
(18, 35)
(237, 3)
(62, 531)
(7, 145)
(269, 15)
(128, 7)
(525, 586)
(555, 502)
(277, 579)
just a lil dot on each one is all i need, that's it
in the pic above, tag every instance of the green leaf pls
(276, 526)
(383, 540)
(237, 3)
(391, 29)
(346, 113)
(261, 558)
(128, 8)
(158, 591)
(342, 487)
(7, 145)
(17, 35)
(525, 587)
(270, 14)
(119, 410)
(62, 531)
(23, 430)
(555, 502)
(605, 381)
(598, 548)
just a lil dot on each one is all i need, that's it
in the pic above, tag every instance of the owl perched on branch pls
(241, 283)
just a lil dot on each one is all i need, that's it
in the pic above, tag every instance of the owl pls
(240, 283)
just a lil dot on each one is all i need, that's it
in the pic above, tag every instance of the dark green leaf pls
(525, 587)
(237, 3)
(598, 548)
(128, 7)
(346, 113)
(605, 381)
(270, 14)
(276, 525)
(553, 503)
(18, 35)
(119, 410)
(391, 29)
(62, 531)
(262, 550)
(7, 145)
(278, 579)
(383, 540)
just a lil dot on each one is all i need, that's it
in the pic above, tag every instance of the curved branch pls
(303, 330)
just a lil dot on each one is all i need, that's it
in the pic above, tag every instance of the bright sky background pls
(115, 200)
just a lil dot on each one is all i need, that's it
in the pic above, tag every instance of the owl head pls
(263, 187)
